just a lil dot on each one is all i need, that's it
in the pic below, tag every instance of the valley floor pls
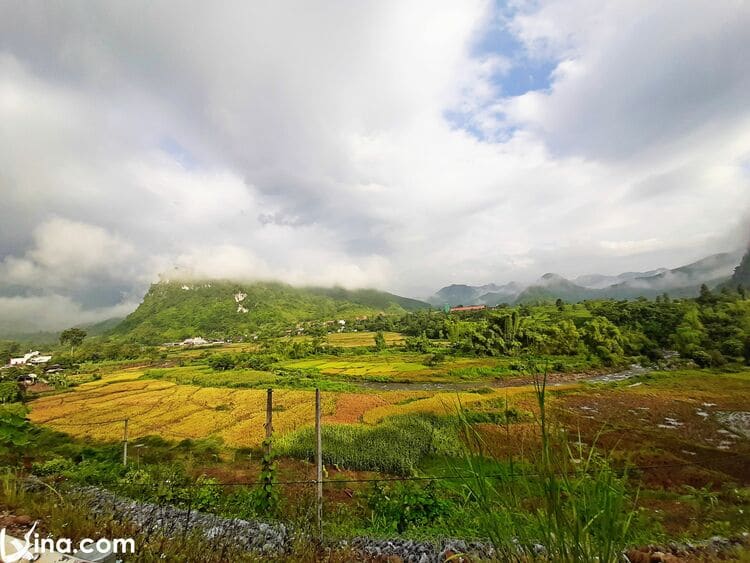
(400, 436)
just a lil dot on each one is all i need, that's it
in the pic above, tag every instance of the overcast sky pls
(396, 144)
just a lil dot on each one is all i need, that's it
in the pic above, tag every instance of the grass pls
(565, 503)
(391, 365)
(204, 376)
(668, 418)
(69, 516)
(405, 432)
(446, 403)
(402, 367)
(397, 445)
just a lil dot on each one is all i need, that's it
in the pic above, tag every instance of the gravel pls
(275, 539)
(261, 537)
(411, 551)
(165, 519)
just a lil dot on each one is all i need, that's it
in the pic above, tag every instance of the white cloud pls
(52, 312)
(66, 253)
(310, 142)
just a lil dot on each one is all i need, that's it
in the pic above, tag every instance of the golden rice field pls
(175, 412)
(355, 339)
(407, 367)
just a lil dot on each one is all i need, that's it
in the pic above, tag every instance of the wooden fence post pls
(319, 464)
(269, 421)
(125, 444)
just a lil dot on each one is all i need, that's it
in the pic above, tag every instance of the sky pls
(396, 144)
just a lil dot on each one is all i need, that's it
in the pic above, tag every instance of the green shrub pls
(510, 415)
(18, 409)
(221, 362)
(205, 494)
(474, 372)
(702, 358)
(435, 359)
(15, 435)
(10, 392)
(394, 508)
(717, 359)
(54, 466)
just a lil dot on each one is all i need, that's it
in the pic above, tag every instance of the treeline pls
(712, 329)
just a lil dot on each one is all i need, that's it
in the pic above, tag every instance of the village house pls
(31, 358)
(195, 341)
(467, 308)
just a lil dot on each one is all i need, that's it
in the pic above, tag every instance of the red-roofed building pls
(468, 308)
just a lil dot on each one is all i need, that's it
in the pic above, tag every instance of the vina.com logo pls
(21, 551)
(13, 550)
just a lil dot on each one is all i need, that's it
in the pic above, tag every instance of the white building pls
(23, 360)
(197, 341)
(33, 358)
(36, 360)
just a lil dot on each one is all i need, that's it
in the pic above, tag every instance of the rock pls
(22, 520)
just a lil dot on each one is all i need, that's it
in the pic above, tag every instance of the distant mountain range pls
(684, 281)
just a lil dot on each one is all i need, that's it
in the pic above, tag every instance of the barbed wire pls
(508, 475)
(465, 477)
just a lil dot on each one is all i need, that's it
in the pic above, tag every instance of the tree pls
(15, 436)
(7, 349)
(603, 338)
(10, 392)
(563, 338)
(706, 297)
(418, 344)
(690, 334)
(379, 341)
(73, 336)
(221, 362)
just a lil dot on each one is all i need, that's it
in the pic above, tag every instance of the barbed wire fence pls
(318, 483)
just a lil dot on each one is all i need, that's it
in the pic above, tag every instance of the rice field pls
(400, 367)
(97, 409)
(364, 366)
(357, 339)
(203, 376)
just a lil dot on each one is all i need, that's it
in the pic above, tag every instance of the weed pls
(567, 503)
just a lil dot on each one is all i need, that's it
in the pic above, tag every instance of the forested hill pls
(742, 273)
(176, 310)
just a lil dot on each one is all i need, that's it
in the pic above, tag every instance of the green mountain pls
(490, 294)
(102, 327)
(176, 310)
(553, 286)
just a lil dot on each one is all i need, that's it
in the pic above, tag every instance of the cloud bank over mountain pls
(399, 145)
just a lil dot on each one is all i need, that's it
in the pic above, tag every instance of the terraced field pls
(413, 367)
(401, 367)
(97, 409)
(357, 339)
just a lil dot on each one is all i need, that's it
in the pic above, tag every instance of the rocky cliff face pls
(741, 274)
